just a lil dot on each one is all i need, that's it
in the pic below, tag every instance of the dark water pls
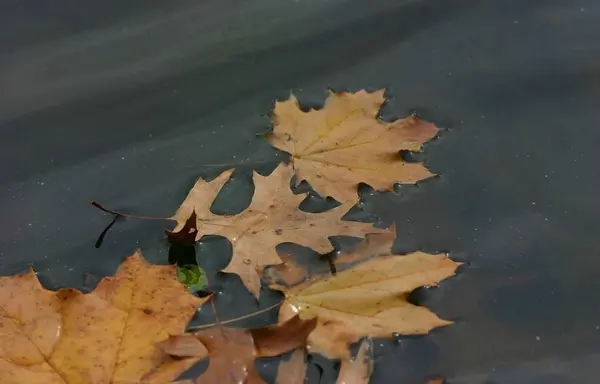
(127, 103)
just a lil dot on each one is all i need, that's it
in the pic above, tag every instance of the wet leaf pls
(232, 351)
(344, 143)
(272, 218)
(106, 336)
(368, 298)
(185, 345)
(277, 339)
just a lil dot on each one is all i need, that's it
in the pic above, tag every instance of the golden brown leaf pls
(368, 299)
(107, 336)
(343, 144)
(232, 351)
(272, 218)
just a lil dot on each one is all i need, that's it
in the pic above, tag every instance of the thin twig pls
(103, 234)
(121, 214)
(204, 326)
(237, 164)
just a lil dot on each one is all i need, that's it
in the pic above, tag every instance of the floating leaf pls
(106, 336)
(343, 144)
(369, 298)
(232, 351)
(272, 218)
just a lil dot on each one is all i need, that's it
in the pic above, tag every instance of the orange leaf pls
(107, 336)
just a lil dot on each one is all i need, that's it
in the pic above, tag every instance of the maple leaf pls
(368, 298)
(232, 351)
(106, 336)
(272, 218)
(343, 144)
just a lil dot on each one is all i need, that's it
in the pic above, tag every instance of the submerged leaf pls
(233, 351)
(293, 370)
(192, 276)
(185, 345)
(231, 357)
(359, 369)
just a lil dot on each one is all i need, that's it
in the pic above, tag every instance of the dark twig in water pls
(204, 326)
(101, 237)
(100, 207)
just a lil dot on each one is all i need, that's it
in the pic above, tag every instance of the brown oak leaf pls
(272, 218)
(106, 336)
(344, 143)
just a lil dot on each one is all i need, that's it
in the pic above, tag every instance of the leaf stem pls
(204, 326)
(121, 214)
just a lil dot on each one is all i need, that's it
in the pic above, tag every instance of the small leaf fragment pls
(288, 273)
(193, 277)
(359, 369)
(436, 381)
(293, 370)
(280, 338)
(232, 351)
(185, 235)
(185, 345)
(231, 356)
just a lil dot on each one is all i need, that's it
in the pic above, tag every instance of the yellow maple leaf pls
(369, 298)
(343, 144)
(272, 218)
(106, 336)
